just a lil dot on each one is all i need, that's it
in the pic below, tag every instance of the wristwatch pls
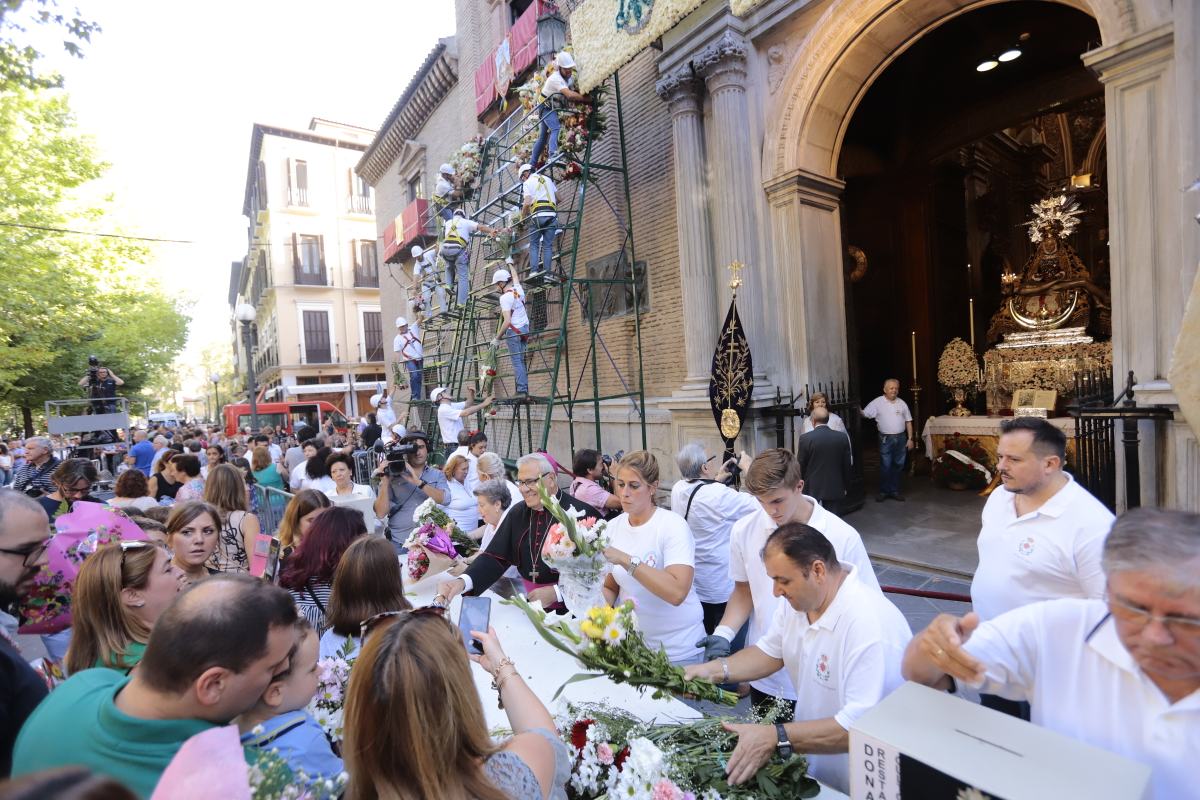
(634, 563)
(423, 484)
(783, 745)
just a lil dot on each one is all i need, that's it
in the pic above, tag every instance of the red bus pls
(283, 417)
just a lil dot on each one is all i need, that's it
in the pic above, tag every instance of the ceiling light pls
(1010, 55)
(985, 66)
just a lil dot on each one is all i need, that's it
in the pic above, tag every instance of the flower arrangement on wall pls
(466, 163)
(574, 121)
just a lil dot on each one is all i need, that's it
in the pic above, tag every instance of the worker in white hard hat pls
(539, 203)
(409, 351)
(425, 280)
(514, 326)
(454, 250)
(385, 415)
(445, 194)
(450, 415)
(555, 90)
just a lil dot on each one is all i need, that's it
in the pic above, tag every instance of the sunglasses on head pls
(424, 611)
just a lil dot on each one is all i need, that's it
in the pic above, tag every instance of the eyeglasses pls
(30, 553)
(365, 626)
(75, 491)
(1132, 615)
(531, 483)
(710, 458)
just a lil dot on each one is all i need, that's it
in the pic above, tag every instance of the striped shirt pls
(311, 602)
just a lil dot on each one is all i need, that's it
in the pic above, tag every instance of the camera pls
(395, 453)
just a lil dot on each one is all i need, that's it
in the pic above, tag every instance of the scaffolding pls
(570, 365)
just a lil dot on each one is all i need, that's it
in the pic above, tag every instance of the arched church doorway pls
(942, 159)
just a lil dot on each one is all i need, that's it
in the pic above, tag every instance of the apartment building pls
(311, 269)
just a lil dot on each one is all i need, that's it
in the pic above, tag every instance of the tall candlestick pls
(971, 313)
(914, 354)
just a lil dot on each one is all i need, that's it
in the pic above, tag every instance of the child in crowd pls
(279, 721)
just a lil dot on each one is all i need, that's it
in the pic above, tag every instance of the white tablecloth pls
(977, 426)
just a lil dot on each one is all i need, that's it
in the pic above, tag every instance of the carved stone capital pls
(723, 62)
(681, 89)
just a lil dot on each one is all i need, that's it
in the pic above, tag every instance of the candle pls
(971, 314)
(914, 354)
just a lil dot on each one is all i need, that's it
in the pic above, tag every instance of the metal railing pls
(366, 280)
(298, 196)
(359, 204)
(303, 277)
(271, 505)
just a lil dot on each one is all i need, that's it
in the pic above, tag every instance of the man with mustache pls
(1042, 532)
(24, 534)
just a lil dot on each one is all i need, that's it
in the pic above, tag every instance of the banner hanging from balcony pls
(607, 34)
(732, 382)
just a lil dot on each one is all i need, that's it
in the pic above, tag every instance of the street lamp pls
(246, 315)
(216, 379)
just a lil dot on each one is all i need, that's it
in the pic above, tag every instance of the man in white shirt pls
(894, 421)
(539, 201)
(1122, 673)
(444, 193)
(555, 88)
(710, 508)
(1042, 533)
(455, 250)
(450, 414)
(299, 471)
(425, 282)
(385, 415)
(514, 326)
(409, 350)
(774, 479)
(841, 643)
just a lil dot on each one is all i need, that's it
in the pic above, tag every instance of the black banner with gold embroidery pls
(732, 381)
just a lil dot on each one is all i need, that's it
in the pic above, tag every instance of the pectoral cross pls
(533, 573)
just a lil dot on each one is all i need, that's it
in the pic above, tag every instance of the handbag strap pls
(692, 496)
(313, 595)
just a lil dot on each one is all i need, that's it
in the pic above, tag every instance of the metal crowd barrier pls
(271, 505)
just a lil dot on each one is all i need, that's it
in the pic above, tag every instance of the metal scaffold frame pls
(569, 363)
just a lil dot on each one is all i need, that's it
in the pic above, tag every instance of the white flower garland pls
(601, 48)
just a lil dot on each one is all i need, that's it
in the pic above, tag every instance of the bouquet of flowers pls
(963, 464)
(488, 360)
(575, 121)
(332, 679)
(429, 548)
(575, 546)
(466, 163)
(430, 513)
(272, 779)
(617, 755)
(607, 639)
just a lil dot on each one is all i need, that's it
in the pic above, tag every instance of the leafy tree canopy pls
(19, 60)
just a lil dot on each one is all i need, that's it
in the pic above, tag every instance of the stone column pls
(682, 92)
(735, 196)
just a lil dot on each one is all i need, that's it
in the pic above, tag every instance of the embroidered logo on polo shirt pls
(823, 671)
(650, 560)
(1025, 546)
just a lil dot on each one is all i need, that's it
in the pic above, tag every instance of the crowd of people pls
(1090, 633)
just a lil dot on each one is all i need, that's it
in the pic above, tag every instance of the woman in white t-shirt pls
(653, 553)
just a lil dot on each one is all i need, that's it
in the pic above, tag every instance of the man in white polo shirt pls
(841, 643)
(1042, 533)
(1122, 674)
(774, 479)
(514, 326)
(409, 350)
(450, 414)
(894, 421)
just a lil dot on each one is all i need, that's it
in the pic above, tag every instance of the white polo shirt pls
(1065, 659)
(540, 189)
(449, 421)
(512, 300)
(842, 665)
(714, 509)
(747, 538)
(407, 346)
(889, 416)
(1046, 554)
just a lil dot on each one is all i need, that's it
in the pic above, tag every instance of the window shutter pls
(354, 253)
(289, 182)
(295, 252)
(321, 257)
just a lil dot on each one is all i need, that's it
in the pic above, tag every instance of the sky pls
(169, 91)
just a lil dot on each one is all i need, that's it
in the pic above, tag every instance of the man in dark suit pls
(824, 456)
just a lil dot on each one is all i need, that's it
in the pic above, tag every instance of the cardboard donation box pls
(922, 744)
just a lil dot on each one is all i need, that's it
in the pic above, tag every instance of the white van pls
(169, 419)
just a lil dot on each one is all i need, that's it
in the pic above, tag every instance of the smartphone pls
(271, 571)
(475, 615)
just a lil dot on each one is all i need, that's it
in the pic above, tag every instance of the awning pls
(317, 388)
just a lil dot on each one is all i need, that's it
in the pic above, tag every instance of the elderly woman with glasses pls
(519, 538)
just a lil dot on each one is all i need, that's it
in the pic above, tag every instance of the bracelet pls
(724, 670)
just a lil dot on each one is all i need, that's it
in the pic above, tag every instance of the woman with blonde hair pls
(460, 503)
(225, 490)
(192, 533)
(415, 726)
(302, 510)
(654, 556)
(118, 595)
(367, 582)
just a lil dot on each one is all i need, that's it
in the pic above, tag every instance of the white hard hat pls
(401, 322)
(460, 212)
(399, 430)
(446, 169)
(437, 393)
(564, 60)
(375, 398)
(417, 250)
(525, 168)
(501, 276)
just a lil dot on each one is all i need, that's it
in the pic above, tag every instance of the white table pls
(545, 668)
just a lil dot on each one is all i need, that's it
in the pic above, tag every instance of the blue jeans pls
(458, 269)
(541, 244)
(547, 129)
(891, 461)
(414, 377)
(516, 348)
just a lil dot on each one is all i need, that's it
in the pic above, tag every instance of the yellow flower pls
(591, 629)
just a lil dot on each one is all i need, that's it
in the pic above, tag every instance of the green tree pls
(19, 67)
(66, 296)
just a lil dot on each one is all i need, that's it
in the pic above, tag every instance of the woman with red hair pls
(308, 574)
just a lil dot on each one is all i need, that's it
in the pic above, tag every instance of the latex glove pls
(494, 342)
(714, 647)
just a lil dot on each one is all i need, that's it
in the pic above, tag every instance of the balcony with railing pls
(298, 196)
(359, 204)
(539, 32)
(265, 358)
(309, 275)
(414, 224)
(366, 278)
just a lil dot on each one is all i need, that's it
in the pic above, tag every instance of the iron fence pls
(271, 504)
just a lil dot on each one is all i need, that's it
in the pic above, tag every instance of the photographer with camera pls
(102, 384)
(33, 477)
(405, 481)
